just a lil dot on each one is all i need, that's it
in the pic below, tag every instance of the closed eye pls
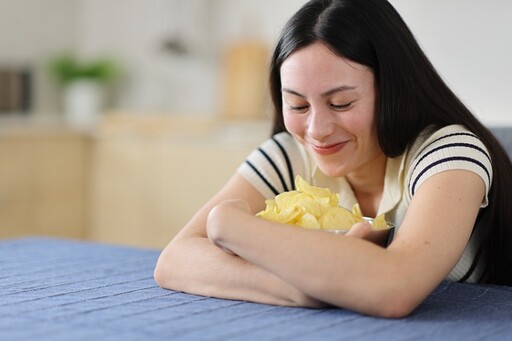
(341, 106)
(298, 108)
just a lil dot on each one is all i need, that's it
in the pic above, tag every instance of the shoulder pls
(452, 139)
(272, 167)
(281, 147)
(451, 147)
(281, 141)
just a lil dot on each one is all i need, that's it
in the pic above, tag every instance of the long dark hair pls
(411, 97)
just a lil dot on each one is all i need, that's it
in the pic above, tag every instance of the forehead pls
(317, 66)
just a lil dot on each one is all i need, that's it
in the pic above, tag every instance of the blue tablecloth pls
(52, 289)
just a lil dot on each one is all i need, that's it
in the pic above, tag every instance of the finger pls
(360, 230)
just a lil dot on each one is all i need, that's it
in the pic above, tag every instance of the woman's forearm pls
(196, 266)
(319, 265)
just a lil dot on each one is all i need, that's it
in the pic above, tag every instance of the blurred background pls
(119, 119)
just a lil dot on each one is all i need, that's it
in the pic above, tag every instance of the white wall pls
(30, 32)
(470, 43)
(263, 18)
(161, 82)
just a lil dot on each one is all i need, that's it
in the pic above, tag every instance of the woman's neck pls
(368, 185)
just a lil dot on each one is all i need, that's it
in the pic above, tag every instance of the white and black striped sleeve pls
(449, 149)
(272, 167)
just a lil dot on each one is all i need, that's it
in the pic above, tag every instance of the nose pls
(321, 124)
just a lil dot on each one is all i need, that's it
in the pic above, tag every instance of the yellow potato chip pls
(308, 221)
(380, 223)
(310, 205)
(318, 192)
(286, 198)
(270, 212)
(314, 207)
(289, 215)
(356, 210)
(338, 218)
(304, 187)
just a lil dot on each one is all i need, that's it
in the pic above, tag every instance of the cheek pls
(363, 121)
(293, 123)
(367, 127)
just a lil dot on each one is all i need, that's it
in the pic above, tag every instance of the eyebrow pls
(327, 93)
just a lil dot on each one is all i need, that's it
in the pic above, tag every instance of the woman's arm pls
(356, 274)
(191, 263)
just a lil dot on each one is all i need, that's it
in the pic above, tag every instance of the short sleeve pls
(451, 148)
(272, 167)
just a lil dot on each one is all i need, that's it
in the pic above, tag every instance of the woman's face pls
(329, 107)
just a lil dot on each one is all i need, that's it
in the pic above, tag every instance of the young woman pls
(360, 110)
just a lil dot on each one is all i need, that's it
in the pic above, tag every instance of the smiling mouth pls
(330, 149)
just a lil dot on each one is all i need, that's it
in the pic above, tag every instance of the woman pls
(360, 110)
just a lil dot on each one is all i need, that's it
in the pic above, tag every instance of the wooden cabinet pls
(147, 182)
(42, 182)
(134, 181)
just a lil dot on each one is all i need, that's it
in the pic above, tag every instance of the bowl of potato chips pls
(316, 208)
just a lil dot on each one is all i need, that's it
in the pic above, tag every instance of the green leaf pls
(67, 68)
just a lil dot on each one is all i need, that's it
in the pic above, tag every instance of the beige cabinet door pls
(42, 183)
(144, 189)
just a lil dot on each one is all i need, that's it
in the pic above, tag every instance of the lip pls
(328, 149)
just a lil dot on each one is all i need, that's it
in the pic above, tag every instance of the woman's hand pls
(360, 230)
(365, 231)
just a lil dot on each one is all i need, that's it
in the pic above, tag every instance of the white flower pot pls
(83, 103)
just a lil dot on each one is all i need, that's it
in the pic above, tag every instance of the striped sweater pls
(271, 169)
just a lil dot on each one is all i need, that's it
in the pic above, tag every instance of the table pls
(60, 289)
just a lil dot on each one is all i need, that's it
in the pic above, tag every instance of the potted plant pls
(84, 84)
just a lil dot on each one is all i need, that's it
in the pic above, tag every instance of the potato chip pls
(314, 207)
(318, 192)
(356, 210)
(309, 221)
(270, 212)
(338, 218)
(380, 223)
(290, 215)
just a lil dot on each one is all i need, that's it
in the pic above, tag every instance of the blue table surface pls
(55, 289)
